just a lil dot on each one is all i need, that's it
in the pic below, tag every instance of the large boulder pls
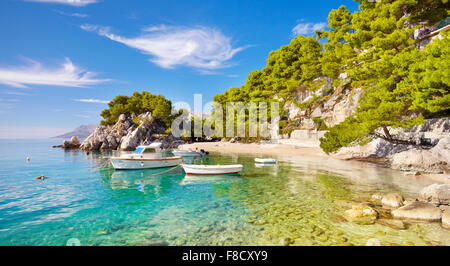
(73, 143)
(377, 148)
(434, 160)
(446, 218)
(361, 214)
(436, 194)
(418, 211)
(393, 200)
(141, 134)
(108, 137)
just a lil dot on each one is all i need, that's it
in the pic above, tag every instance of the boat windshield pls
(139, 150)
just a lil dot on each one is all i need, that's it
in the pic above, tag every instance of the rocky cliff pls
(333, 104)
(431, 154)
(127, 134)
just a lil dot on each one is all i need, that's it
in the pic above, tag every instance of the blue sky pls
(62, 60)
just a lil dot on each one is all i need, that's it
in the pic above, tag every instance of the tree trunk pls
(386, 132)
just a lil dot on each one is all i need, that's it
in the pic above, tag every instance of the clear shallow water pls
(293, 202)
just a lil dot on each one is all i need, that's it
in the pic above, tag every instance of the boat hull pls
(265, 161)
(212, 169)
(133, 164)
(186, 153)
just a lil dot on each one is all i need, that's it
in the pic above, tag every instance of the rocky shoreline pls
(128, 133)
(433, 158)
(393, 210)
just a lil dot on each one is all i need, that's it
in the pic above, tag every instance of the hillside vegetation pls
(374, 46)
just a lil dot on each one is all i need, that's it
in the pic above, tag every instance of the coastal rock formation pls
(436, 194)
(434, 160)
(419, 211)
(108, 137)
(129, 133)
(446, 218)
(377, 148)
(73, 143)
(434, 157)
(140, 134)
(361, 214)
(392, 200)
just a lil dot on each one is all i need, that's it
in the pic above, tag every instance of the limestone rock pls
(141, 134)
(419, 211)
(393, 200)
(436, 194)
(361, 214)
(376, 197)
(377, 148)
(73, 143)
(446, 218)
(395, 224)
(435, 160)
(108, 137)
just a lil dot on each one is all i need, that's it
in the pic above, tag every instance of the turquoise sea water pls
(290, 203)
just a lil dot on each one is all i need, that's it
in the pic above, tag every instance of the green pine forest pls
(402, 85)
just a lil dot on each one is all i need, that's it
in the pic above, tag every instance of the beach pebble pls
(436, 194)
(361, 214)
(446, 218)
(395, 224)
(421, 211)
(393, 200)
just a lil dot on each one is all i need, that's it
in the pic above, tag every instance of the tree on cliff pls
(286, 69)
(402, 84)
(137, 104)
(337, 49)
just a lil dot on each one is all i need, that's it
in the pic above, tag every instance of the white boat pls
(266, 160)
(145, 157)
(193, 169)
(182, 153)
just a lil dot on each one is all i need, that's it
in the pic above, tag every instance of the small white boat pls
(193, 169)
(182, 153)
(145, 157)
(266, 160)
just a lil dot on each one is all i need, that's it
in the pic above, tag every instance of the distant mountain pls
(81, 132)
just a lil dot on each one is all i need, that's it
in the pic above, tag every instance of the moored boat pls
(182, 153)
(192, 169)
(265, 160)
(145, 157)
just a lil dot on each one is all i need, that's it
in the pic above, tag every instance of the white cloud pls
(77, 15)
(308, 28)
(66, 2)
(82, 116)
(168, 46)
(9, 92)
(91, 101)
(68, 75)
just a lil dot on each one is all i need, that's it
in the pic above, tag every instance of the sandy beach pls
(289, 150)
